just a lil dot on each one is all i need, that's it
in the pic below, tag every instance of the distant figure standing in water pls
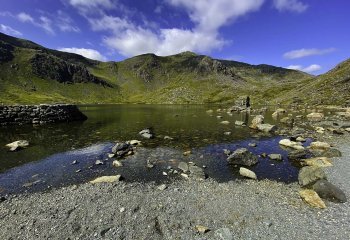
(247, 102)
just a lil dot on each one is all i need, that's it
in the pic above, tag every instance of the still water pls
(53, 147)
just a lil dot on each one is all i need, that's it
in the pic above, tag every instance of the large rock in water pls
(318, 162)
(328, 191)
(291, 144)
(242, 157)
(320, 145)
(17, 145)
(258, 119)
(310, 174)
(299, 154)
(265, 127)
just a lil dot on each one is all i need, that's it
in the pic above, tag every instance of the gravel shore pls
(232, 210)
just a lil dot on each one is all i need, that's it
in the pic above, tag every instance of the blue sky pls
(311, 36)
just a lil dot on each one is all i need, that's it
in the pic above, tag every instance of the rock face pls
(39, 114)
(247, 173)
(259, 119)
(328, 191)
(315, 116)
(242, 157)
(310, 174)
(291, 144)
(312, 198)
(14, 146)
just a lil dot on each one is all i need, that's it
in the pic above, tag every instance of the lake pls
(54, 147)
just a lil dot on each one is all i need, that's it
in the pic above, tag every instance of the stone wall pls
(39, 114)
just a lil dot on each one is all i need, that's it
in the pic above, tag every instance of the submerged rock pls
(17, 145)
(274, 156)
(247, 173)
(310, 174)
(312, 198)
(299, 154)
(329, 191)
(268, 128)
(242, 157)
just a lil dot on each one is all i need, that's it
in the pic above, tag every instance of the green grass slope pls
(30, 73)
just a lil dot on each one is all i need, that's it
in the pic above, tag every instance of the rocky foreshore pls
(39, 114)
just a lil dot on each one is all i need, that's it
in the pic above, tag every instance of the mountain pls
(30, 73)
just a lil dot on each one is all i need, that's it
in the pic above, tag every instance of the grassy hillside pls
(30, 73)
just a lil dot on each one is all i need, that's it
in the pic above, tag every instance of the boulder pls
(17, 145)
(320, 145)
(106, 179)
(312, 198)
(242, 157)
(268, 128)
(239, 123)
(318, 162)
(329, 191)
(315, 116)
(330, 153)
(147, 133)
(299, 154)
(291, 144)
(274, 156)
(247, 173)
(120, 147)
(259, 119)
(310, 174)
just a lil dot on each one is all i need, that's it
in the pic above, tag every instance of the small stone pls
(275, 156)
(162, 187)
(320, 130)
(202, 229)
(291, 144)
(240, 123)
(74, 162)
(111, 155)
(225, 122)
(106, 179)
(218, 117)
(164, 174)
(312, 198)
(98, 162)
(315, 116)
(242, 157)
(17, 145)
(122, 209)
(300, 139)
(227, 133)
(168, 138)
(183, 166)
(247, 173)
(186, 153)
(184, 175)
(117, 163)
(223, 234)
(78, 171)
(252, 144)
(135, 142)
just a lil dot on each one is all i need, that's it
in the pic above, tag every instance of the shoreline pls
(243, 208)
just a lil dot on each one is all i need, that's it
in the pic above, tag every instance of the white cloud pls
(312, 68)
(107, 4)
(300, 53)
(9, 30)
(290, 5)
(65, 23)
(88, 53)
(309, 69)
(44, 22)
(130, 39)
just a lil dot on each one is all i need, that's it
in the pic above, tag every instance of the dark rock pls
(300, 154)
(120, 147)
(242, 157)
(329, 191)
(332, 152)
(147, 133)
